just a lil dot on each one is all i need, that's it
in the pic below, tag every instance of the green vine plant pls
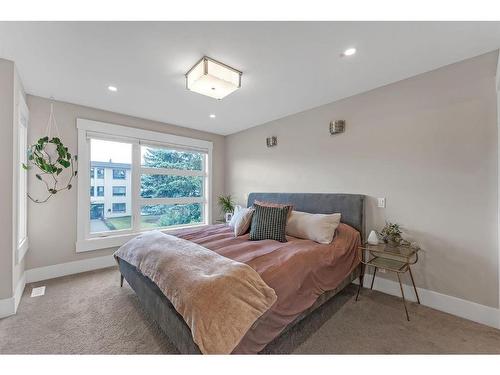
(49, 167)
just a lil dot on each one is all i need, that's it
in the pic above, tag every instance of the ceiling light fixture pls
(213, 78)
(212, 115)
(112, 88)
(349, 52)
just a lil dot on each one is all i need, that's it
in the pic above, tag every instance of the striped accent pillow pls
(269, 223)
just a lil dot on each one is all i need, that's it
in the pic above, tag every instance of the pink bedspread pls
(299, 271)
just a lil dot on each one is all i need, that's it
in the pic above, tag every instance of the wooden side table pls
(396, 259)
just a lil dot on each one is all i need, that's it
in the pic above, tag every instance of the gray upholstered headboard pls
(350, 206)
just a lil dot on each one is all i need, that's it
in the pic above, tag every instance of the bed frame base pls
(161, 310)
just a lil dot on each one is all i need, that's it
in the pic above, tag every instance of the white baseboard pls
(8, 306)
(487, 315)
(70, 268)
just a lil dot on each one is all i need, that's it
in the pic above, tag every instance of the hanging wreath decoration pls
(50, 158)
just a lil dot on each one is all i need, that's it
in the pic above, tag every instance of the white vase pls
(373, 238)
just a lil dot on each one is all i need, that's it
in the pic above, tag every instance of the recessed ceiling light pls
(349, 52)
(112, 88)
(212, 115)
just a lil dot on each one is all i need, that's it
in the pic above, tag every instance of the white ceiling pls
(287, 66)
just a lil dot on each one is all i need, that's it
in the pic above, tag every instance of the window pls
(119, 207)
(174, 175)
(167, 183)
(119, 191)
(100, 173)
(91, 191)
(92, 172)
(22, 179)
(119, 174)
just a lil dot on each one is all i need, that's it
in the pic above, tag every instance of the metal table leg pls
(361, 278)
(373, 279)
(403, 295)
(414, 287)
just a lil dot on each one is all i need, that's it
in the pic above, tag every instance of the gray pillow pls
(269, 223)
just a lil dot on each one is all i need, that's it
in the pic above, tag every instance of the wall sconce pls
(337, 126)
(271, 141)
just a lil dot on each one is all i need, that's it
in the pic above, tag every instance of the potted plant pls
(226, 205)
(50, 158)
(391, 234)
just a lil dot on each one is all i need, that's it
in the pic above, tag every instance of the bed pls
(310, 287)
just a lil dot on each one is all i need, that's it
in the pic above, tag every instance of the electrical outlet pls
(37, 292)
(381, 202)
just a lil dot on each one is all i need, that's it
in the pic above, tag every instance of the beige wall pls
(428, 144)
(6, 154)
(52, 226)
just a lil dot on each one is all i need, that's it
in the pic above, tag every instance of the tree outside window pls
(171, 186)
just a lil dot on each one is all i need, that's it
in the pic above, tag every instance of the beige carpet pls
(90, 314)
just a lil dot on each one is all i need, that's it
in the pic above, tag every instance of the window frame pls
(87, 129)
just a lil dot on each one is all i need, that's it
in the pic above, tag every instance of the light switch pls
(381, 202)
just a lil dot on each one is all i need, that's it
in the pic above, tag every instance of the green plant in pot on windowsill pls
(226, 205)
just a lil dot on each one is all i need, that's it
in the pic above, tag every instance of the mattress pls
(298, 270)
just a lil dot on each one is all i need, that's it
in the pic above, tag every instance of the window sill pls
(99, 243)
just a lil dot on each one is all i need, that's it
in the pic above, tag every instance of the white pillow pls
(316, 227)
(241, 221)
